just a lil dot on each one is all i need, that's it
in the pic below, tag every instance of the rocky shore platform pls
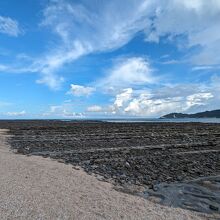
(143, 155)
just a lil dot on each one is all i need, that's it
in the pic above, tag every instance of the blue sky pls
(99, 58)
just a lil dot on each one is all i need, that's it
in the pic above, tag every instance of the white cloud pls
(134, 103)
(16, 114)
(89, 22)
(168, 62)
(86, 27)
(199, 68)
(54, 60)
(127, 72)
(56, 108)
(153, 102)
(157, 102)
(94, 108)
(122, 98)
(51, 80)
(145, 106)
(78, 90)
(197, 20)
(198, 99)
(62, 111)
(67, 114)
(9, 26)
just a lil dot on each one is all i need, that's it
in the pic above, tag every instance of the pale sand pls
(40, 188)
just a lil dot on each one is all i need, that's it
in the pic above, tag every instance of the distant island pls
(206, 114)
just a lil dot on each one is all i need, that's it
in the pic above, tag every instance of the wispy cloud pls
(16, 114)
(170, 62)
(86, 28)
(95, 108)
(197, 20)
(201, 68)
(5, 104)
(89, 27)
(9, 26)
(132, 71)
(61, 111)
(3, 68)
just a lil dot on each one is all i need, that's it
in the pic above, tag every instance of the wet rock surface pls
(201, 195)
(142, 154)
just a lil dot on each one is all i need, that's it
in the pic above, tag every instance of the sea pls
(176, 120)
(150, 120)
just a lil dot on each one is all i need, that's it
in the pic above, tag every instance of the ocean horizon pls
(150, 120)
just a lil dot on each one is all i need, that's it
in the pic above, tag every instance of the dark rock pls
(214, 208)
(134, 153)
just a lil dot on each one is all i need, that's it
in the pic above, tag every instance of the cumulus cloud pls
(122, 98)
(78, 90)
(152, 103)
(9, 26)
(145, 106)
(127, 72)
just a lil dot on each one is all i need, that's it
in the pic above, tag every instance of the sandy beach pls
(40, 188)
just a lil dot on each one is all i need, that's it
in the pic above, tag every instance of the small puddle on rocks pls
(201, 195)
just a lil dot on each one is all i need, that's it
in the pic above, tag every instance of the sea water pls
(177, 120)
